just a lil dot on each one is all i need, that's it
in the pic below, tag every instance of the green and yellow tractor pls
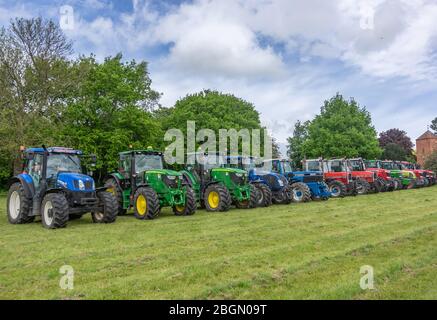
(404, 179)
(217, 187)
(142, 183)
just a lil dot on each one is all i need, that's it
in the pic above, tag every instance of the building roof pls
(427, 135)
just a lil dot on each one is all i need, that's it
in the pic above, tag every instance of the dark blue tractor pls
(305, 185)
(271, 186)
(53, 185)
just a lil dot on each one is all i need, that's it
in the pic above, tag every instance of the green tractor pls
(142, 183)
(216, 186)
(403, 179)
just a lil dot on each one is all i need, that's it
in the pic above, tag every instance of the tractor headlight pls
(281, 184)
(81, 185)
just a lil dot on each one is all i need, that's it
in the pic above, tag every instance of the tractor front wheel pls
(264, 195)
(146, 203)
(217, 198)
(55, 209)
(337, 188)
(109, 208)
(18, 205)
(190, 204)
(300, 192)
(251, 202)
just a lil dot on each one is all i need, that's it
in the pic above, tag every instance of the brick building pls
(425, 145)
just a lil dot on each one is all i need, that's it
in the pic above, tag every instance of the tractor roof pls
(148, 151)
(54, 150)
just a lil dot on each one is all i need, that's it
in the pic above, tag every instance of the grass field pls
(307, 251)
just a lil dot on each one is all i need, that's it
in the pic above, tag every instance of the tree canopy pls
(295, 143)
(342, 129)
(434, 125)
(398, 137)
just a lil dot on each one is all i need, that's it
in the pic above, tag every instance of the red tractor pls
(337, 176)
(428, 177)
(383, 175)
(360, 173)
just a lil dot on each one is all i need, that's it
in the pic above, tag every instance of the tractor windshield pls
(313, 165)
(248, 163)
(388, 165)
(286, 166)
(338, 166)
(145, 162)
(61, 162)
(210, 161)
(373, 164)
(356, 165)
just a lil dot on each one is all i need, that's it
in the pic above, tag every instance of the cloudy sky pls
(285, 56)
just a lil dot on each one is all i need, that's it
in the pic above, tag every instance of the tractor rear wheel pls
(362, 186)
(376, 186)
(146, 203)
(383, 184)
(337, 188)
(190, 204)
(300, 192)
(18, 205)
(54, 209)
(251, 202)
(217, 198)
(264, 195)
(109, 211)
(112, 186)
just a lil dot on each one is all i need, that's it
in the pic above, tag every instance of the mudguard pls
(27, 183)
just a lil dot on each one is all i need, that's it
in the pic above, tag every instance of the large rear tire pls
(112, 186)
(217, 198)
(190, 204)
(337, 188)
(54, 211)
(362, 186)
(18, 205)
(109, 211)
(300, 192)
(146, 203)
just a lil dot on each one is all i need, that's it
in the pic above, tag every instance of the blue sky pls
(285, 56)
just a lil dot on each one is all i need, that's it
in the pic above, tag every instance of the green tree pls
(212, 110)
(394, 151)
(33, 80)
(342, 129)
(431, 162)
(399, 137)
(295, 143)
(109, 112)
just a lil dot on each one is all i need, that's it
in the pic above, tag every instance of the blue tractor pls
(271, 186)
(305, 185)
(52, 185)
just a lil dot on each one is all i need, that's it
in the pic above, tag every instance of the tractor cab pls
(337, 174)
(306, 185)
(406, 179)
(142, 182)
(382, 175)
(54, 175)
(216, 185)
(367, 179)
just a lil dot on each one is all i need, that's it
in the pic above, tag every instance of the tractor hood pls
(229, 170)
(75, 181)
(164, 172)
